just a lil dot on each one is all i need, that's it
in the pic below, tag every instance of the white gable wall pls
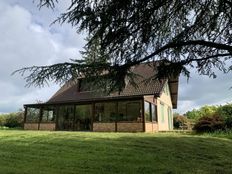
(164, 106)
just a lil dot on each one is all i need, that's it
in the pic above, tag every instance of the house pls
(76, 107)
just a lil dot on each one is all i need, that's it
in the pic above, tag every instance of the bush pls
(206, 110)
(179, 121)
(210, 124)
(2, 120)
(228, 122)
(226, 112)
(13, 120)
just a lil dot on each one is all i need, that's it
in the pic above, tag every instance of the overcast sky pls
(27, 39)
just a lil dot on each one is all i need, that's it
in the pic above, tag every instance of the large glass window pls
(126, 111)
(129, 111)
(105, 112)
(33, 115)
(83, 117)
(150, 112)
(66, 117)
(147, 111)
(48, 114)
(153, 112)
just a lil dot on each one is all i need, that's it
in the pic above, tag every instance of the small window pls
(162, 112)
(85, 85)
(48, 114)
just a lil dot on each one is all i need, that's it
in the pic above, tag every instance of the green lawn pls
(81, 152)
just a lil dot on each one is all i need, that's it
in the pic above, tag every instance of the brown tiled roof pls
(69, 92)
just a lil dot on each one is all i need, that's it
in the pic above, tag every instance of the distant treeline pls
(207, 118)
(12, 120)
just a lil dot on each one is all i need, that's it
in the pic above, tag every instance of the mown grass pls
(29, 152)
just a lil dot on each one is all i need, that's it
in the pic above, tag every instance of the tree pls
(204, 111)
(226, 112)
(179, 34)
(179, 120)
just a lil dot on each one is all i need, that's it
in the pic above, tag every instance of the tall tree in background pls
(182, 33)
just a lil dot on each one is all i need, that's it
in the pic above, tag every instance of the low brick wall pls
(47, 126)
(151, 127)
(31, 126)
(121, 127)
(155, 127)
(42, 126)
(130, 127)
(104, 127)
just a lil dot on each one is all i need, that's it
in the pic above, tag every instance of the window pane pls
(105, 112)
(66, 117)
(83, 111)
(83, 117)
(153, 112)
(147, 111)
(33, 115)
(129, 111)
(86, 85)
(48, 114)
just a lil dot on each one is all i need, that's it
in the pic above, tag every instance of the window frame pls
(37, 116)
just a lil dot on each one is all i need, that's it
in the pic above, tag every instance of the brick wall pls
(155, 127)
(151, 127)
(31, 126)
(97, 127)
(42, 126)
(130, 127)
(47, 126)
(104, 127)
(121, 127)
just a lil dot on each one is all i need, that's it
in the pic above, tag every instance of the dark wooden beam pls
(116, 119)
(174, 93)
(143, 116)
(40, 117)
(175, 81)
(57, 116)
(93, 115)
(74, 118)
(25, 116)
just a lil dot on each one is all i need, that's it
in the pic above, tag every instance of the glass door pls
(83, 118)
(65, 118)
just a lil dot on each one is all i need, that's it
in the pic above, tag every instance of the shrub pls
(209, 124)
(206, 110)
(2, 120)
(179, 121)
(228, 122)
(226, 112)
(13, 120)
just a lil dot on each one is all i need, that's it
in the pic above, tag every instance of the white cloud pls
(27, 41)
(202, 90)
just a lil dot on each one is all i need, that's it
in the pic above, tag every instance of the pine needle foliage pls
(182, 34)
